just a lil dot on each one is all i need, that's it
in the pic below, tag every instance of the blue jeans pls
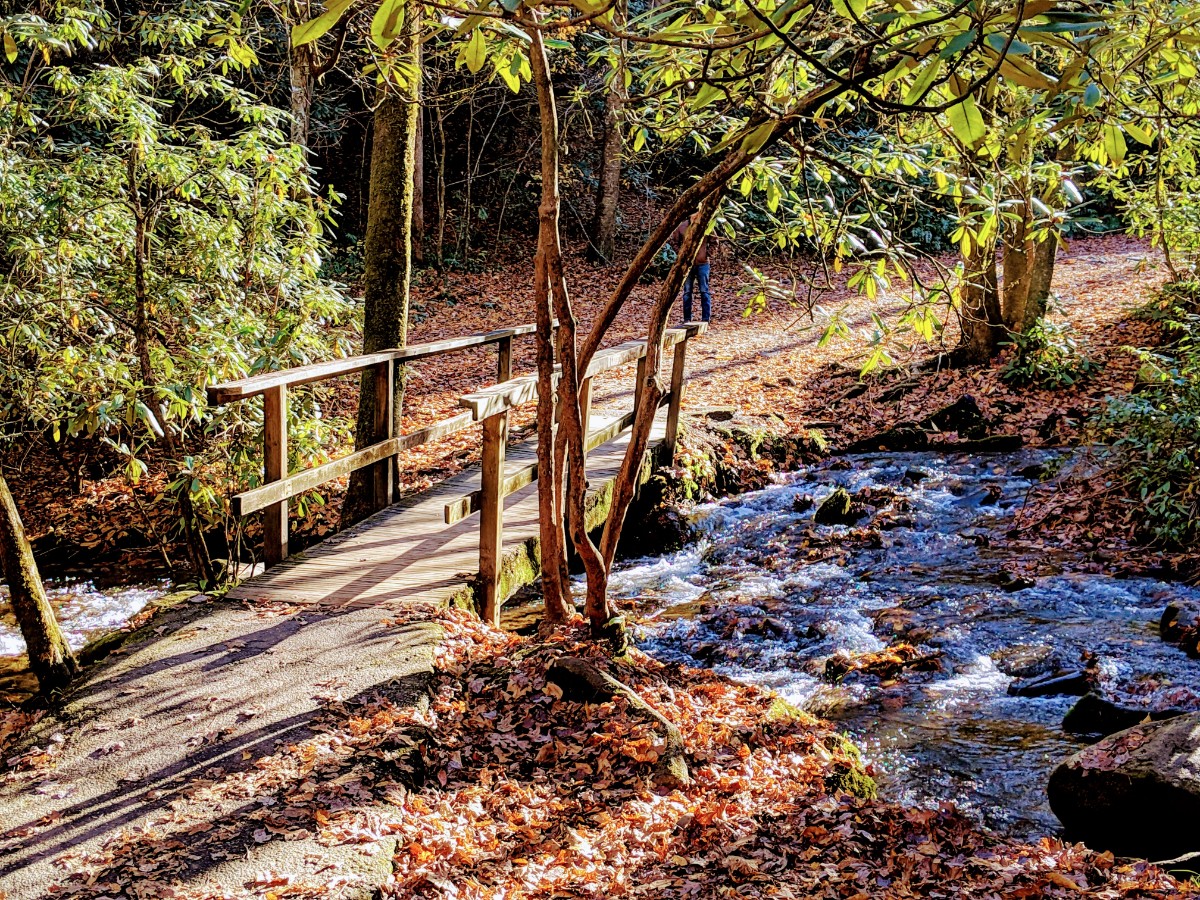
(698, 276)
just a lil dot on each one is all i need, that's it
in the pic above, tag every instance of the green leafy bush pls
(1155, 433)
(1048, 355)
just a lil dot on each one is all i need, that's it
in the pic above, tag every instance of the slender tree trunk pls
(604, 225)
(653, 390)
(1018, 267)
(418, 211)
(387, 252)
(1041, 275)
(548, 268)
(50, 657)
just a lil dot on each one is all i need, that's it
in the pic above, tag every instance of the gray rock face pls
(1136, 792)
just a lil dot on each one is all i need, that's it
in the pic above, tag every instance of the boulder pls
(1136, 792)
(1026, 660)
(1096, 714)
(837, 509)
(1180, 624)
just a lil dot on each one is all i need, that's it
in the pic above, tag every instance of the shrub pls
(1155, 433)
(1048, 355)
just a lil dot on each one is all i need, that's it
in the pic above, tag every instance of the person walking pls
(698, 275)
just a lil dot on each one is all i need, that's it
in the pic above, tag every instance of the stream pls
(767, 596)
(85, 610)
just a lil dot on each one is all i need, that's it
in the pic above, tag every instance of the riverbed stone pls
(1026, 660)
(837, 509)
(1052, 684)
(1136, 792)
(1094, 713)
(1180, 624)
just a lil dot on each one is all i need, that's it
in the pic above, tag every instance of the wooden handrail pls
(494, 400)
(258, 384)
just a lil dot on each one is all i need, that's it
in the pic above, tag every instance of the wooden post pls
(383, 431)
(676, 398)
(504, 359)
(491, 516)
(275, 465)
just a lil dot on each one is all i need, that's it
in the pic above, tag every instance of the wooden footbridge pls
(430, 546)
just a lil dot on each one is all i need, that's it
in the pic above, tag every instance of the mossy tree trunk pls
(387, 251)
(50, 657)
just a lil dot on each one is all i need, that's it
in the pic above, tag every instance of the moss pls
(849, 775)
(782, 711)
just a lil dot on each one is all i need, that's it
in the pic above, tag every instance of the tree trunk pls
(50, 657)
(387, 254)
(1018, 266)
(1041, 275)
(418, 204)
(653, 390)
(548, 267)
(980, 316)
(303, 85)
(608, 192)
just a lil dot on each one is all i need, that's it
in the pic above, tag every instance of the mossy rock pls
(782, 711)
(850, 777)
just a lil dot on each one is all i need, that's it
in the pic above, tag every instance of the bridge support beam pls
(491, 515)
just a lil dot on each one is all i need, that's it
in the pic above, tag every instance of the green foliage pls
(1048, 355)
(158, 233)
(1155, 433)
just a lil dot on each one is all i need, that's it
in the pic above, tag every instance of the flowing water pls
(84, 611)
(768, 597)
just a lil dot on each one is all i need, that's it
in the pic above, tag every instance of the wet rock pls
(1026, 660)
(889, 522)
(837, 509)
(901, 623)
(914, 475)
(1096, 714)
(884, 664)
(985, 497)
(1180, 624)
(1036, 472)
(1052, 684)
(803, 503)
(1013, 582)
(1136, 792)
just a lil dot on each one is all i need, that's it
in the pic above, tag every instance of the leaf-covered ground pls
(503, 788)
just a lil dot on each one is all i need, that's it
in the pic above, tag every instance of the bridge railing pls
(489, 407)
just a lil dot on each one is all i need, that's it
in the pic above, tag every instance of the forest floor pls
(771, 362)
(504, 785)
